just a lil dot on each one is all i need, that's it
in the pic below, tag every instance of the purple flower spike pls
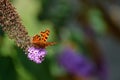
(36, 54)
(76, 63)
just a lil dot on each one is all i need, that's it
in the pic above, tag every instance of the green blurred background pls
(91, 27)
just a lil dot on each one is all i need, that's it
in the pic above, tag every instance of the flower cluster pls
(36, 54)
(12, 25)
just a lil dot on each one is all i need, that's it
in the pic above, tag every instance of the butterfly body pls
(40, 41)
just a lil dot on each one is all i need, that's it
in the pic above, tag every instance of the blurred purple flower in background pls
(102, 71)
(75, 63)
(36, 54)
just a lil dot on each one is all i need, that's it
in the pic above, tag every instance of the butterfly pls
(40, 41)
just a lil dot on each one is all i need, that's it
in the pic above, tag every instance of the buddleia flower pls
(36, 54)
(12, 25)
(75, 63)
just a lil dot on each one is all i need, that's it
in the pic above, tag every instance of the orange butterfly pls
(40, 41)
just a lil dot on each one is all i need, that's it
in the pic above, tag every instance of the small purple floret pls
(36, 54)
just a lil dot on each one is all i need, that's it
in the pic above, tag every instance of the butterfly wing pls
(49, 43)
(36, 39)
(44, 35)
